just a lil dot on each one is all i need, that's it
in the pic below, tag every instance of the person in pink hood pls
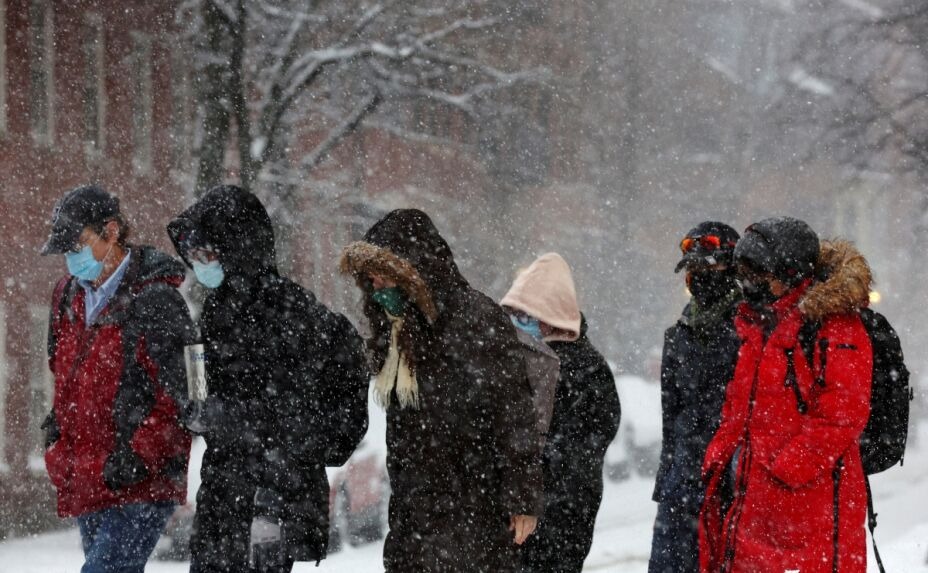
(543, 302)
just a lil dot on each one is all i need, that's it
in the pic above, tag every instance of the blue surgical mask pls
(83, 265)
(209, 274)
(528, 324)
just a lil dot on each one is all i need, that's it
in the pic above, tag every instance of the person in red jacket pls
(115, 449)
(790, 425)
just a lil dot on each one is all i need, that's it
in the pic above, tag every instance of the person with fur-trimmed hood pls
(698, 361)
(543, 302)
(462, 450)
(790, 427)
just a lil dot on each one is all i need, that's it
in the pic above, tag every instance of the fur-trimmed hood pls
(844, 282)
(361, 258)
(406, 247)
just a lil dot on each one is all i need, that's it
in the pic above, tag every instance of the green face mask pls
(391, 299)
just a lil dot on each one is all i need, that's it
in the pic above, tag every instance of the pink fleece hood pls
(545, 290)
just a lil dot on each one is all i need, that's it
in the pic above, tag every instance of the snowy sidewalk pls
(623, 531)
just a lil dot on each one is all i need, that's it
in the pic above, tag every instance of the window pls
(41, 383)
(4, 387)
(141, 104)
(41, 72)
(2, 92)
(94, 91)
(181, 120)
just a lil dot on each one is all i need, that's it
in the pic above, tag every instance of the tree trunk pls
(213, 90)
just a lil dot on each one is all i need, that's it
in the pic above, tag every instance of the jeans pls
(120, 539)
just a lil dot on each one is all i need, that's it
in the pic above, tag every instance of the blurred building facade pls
(90, 91)
(646, 120)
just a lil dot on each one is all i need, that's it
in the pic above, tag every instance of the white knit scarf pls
(396, 372)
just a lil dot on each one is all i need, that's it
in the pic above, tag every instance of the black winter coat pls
(467, 459)
(695, 370)
(586, 419)
(290, 375)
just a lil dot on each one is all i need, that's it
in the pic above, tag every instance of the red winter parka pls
(800, 499)
(118, 385)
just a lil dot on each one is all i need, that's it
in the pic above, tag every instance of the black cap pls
(79, 208)
(785, 247)
(703, 255)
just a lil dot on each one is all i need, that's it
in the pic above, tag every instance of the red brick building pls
(88, 92)
(100, 91)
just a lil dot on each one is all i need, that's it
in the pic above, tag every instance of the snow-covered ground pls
(623, 530)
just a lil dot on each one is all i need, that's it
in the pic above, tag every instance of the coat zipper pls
(745, 465)
(836, 478)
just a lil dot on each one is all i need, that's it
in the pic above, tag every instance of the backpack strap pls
(871, 524)
(808, 334)
(60, 306)
(792, 383)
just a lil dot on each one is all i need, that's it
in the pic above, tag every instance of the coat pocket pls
(59, 465)
(792, 516)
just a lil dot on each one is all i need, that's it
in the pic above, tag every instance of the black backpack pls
(882, 443)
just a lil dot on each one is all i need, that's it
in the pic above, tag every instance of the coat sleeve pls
(165, 327)
(499, 369)
(670, 408)
(341, 399)
(838, 412)
(595, 415)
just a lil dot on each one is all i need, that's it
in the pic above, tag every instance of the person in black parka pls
(287, 382)
(585, 418)
(700, 352)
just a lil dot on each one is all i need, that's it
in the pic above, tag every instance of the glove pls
(304, 531)
(123, 468)
(52, 432)
(206, 417)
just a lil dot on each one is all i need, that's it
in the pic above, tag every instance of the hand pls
(205, 417)
(52, 432)
(708, 470)
(523, 526)
(122, 469)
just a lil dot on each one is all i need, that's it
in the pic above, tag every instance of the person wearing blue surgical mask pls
(286, 382)
(97, 254)
(116, 335)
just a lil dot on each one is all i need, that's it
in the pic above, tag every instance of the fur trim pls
(846, 287)
(361, 258)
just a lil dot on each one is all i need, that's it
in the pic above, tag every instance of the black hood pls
(234, 223)
(412, 236)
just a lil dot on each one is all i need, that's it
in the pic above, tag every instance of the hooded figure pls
(461, 444)
(791, 426)
(584, 421)
(287, 384)
(698, 361)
